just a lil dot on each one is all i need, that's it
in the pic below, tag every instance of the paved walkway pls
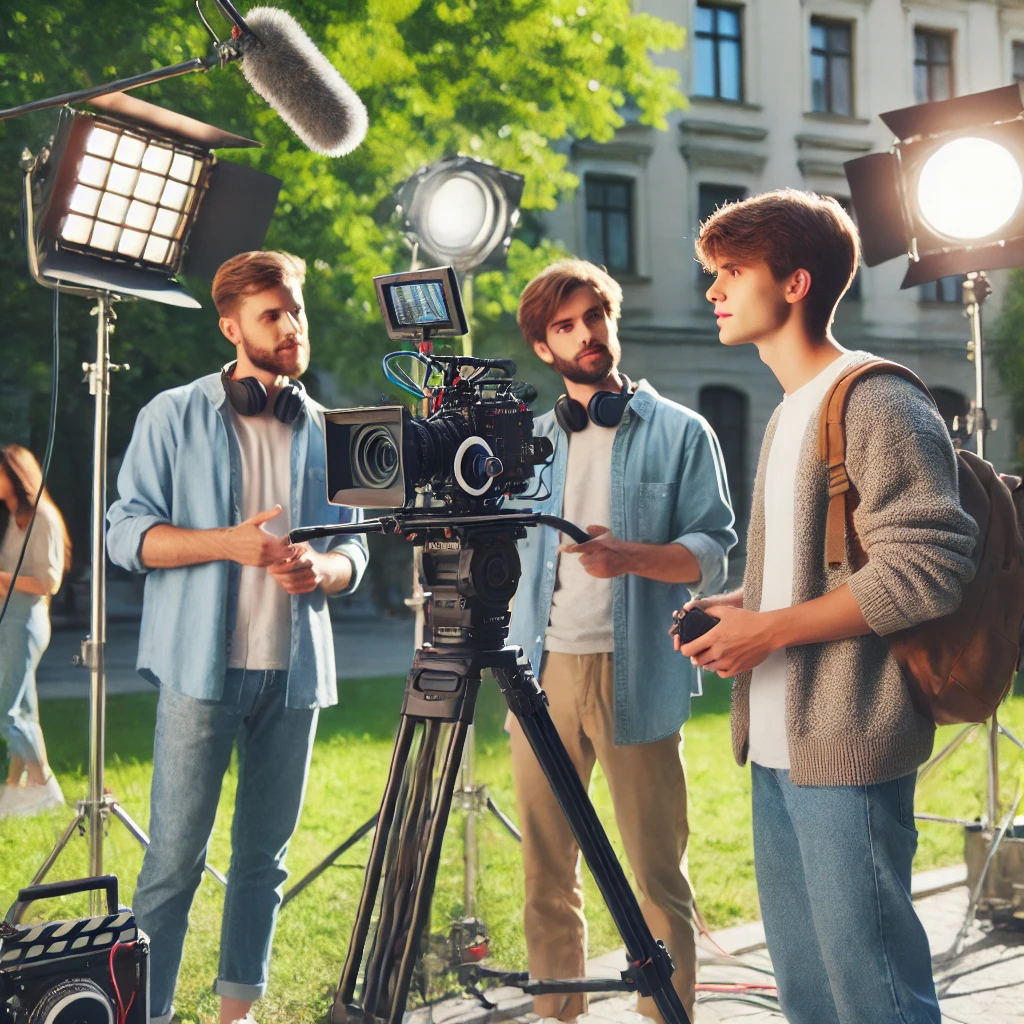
(365, 647)
(984, 985)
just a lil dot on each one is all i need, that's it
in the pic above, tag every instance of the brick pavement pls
(984, 985)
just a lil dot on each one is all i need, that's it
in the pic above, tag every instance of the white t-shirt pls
(581, 605)
(263, 625)
(800, 411)
(44, 556)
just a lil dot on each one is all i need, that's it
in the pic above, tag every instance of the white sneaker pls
(24, 801)
(247, 1019)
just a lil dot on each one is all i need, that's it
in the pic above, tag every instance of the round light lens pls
(969, 188)
(457, 214)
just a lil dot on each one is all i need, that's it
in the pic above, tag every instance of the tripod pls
(92, 813)
(976, 289)
(472, 568)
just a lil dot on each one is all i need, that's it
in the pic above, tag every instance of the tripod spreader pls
(404, 523)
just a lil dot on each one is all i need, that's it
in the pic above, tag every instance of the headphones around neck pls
(605, 408)
(248, 396)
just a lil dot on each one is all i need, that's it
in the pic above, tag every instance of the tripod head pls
(471, 567)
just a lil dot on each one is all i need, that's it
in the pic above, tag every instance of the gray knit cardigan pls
(849, 716)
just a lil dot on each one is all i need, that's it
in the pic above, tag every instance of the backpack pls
(960, 666)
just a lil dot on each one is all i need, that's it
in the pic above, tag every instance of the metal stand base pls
(995, 730)
(85, 813)
(329, 860)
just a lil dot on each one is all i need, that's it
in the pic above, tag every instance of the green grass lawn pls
(353, 749)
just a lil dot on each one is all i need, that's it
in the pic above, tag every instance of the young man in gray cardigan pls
(820, 708)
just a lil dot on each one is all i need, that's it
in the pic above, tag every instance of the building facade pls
(781, 93)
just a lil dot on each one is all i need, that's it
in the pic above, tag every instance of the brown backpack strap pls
(832, 445)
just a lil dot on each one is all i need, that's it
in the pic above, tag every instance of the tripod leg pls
(972, 906)
(58, 848)
(374, 865)
(428, 870)
(504, 819)
(135, 830)
(651, 963)
(328, 861)
(404, 855)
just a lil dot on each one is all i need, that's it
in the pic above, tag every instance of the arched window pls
(726, 409)
(954, 407)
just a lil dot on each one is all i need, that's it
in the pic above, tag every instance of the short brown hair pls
(789, 230)
(549, 289)
(252, 272)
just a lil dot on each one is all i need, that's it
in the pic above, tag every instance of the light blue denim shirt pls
(668, 485)
(183, 467)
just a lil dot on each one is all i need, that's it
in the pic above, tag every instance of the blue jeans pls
(833, 876)
(24, 636)
(191, 752)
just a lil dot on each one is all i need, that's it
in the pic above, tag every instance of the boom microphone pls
(281, 63)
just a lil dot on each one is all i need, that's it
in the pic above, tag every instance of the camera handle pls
(418, 521)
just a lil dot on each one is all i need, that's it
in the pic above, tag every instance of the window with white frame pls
(718, 52)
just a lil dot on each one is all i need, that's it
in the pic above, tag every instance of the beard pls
(285, 362)
(597, 371)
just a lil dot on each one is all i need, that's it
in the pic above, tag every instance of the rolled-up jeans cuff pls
(164, 1018)
(236, 990)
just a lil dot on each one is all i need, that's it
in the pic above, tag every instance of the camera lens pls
(374, 457)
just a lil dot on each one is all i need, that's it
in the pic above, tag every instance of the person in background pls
(644, 476)
(25, 629)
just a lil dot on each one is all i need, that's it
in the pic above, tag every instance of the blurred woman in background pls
(25, 629)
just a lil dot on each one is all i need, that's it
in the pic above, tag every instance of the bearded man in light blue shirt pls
(645, 477)
(235, 629)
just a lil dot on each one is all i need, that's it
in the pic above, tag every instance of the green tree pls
(503, 80)
(1008, 347)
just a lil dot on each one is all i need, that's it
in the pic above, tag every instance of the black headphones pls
(605, 408)
(248, 396)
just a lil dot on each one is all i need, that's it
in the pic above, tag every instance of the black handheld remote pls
(692, 624)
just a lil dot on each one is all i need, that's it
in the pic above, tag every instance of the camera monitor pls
(421, 304)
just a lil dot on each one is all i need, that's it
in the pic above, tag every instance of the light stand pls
(987, 835)
(947, 194)
(459, 211)
(83, 246)
(92, 813)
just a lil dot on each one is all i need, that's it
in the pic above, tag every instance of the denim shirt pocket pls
(655, 504)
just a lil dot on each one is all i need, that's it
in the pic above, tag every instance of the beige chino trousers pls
(648, 790)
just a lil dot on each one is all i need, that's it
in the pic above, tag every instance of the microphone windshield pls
(281, 63)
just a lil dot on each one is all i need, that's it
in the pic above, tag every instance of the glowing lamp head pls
(458, 213)
(969, 188)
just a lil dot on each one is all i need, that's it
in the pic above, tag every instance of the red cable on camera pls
(122, 1010)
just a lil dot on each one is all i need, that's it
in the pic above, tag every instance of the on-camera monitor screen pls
(420, 304)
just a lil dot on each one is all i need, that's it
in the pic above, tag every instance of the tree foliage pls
(1008, 347)
(502, 80)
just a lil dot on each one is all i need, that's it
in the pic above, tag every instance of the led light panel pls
(132, 197)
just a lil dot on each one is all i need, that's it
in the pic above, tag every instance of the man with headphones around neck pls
(645, 477)
(235, 628)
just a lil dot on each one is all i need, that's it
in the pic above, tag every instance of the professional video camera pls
(475, 445)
